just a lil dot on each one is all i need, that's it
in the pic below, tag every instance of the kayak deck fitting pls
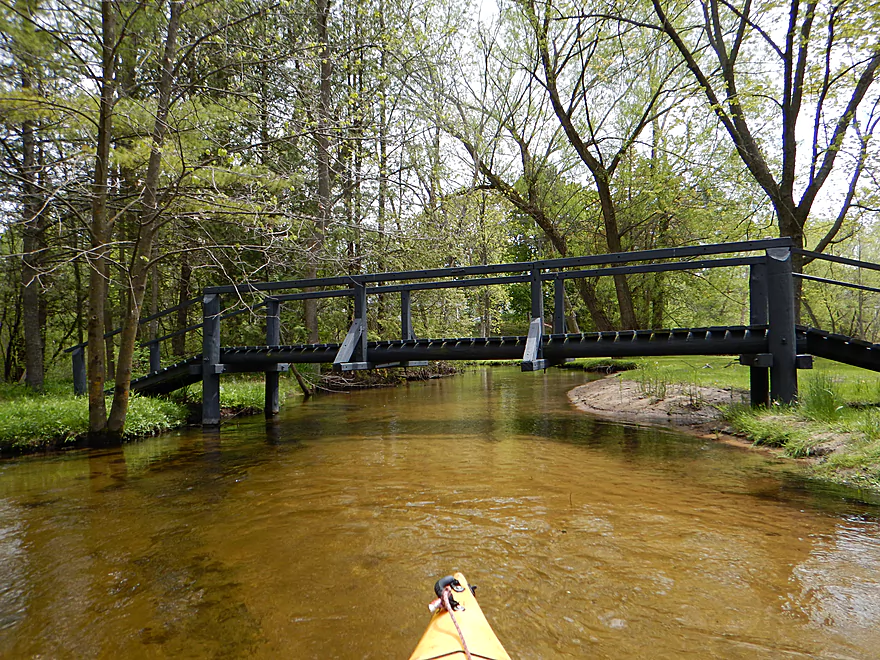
(458, 628)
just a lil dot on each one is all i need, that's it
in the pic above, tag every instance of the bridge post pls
(273, 338)
(155, 357)
(211, 367)
(79, 371)
(534, 352)
(559, 306)
(352, 354)
(537, 293)
(360, 314)
(781, 335)
(406, 329)
(759, 377)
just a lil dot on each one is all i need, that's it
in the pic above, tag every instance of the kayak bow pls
(460, 633)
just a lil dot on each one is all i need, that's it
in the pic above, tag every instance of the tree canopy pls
(153, 148)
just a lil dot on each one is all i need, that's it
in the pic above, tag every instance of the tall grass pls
(242, 394)
(46, 420)
(821, 399)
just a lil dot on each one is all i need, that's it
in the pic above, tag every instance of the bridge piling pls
(79, 371)
(534, 352)
(782, 341)
(273, 338)
(155, 356)
(559, 306)
(211, 366)
(406, 327)
(759, 377)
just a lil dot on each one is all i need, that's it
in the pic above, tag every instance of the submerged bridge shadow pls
(772, 345)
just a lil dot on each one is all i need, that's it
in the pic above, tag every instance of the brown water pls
(321, 534)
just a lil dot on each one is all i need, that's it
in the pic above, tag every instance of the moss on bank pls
(835, 425)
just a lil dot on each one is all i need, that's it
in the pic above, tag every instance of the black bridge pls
(772, 345)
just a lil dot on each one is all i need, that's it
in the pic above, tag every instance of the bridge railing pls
(771, 303)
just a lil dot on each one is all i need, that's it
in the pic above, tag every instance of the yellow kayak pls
(473, 635)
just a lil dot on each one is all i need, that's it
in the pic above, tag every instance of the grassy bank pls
(836, 422)
(57, 419)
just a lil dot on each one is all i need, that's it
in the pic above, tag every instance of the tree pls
(775, 90)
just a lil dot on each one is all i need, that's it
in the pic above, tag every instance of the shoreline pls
(62, 419)
(690, 409)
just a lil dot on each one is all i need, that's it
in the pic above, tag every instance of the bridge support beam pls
(406, 327)
(781, 335)
(533, 356)
(352, 355)
(759, 377)
(273, 338)
(155, 357)
(559, 306)
(79, 371)
(211, 367)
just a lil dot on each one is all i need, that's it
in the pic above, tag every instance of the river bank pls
(843, 447)
(57, 420)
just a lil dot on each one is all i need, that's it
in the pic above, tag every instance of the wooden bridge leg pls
(352, 353)
(79, 371)
(759, 377)
(559, 306)
(211, 366)
(406, 329)
(534, 352)
(273, 338)
(155, 357)
(782, 338)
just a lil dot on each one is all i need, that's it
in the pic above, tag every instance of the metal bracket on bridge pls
(393, 365)
(765, 360)
(532, 355)
(762, 360)
(352, 354)
(355, 339)
(196, 369)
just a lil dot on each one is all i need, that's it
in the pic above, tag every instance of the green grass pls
(700, 370)
(836, 419)
(36, 422)
(31, 422)
(242, 394)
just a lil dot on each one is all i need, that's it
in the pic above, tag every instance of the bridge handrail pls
(523, 266)
(825, 280)
(840, 260)
(146, 319)
(518, 267)
(183, 331)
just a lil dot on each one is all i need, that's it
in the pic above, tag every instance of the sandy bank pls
(686, 407)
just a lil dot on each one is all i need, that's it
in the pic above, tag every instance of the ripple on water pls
(321, 533)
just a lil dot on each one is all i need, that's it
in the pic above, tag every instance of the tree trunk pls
(322, 18)
(178, 343)
(33, 245)
(100, 228)
(612, 237)
(148, 226)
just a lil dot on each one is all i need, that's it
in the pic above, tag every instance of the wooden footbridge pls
(772, 345)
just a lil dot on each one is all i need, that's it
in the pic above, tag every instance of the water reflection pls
(318, 535)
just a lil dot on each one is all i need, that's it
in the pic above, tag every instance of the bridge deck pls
(719, 340)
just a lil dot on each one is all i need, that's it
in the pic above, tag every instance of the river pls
(320, 534)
